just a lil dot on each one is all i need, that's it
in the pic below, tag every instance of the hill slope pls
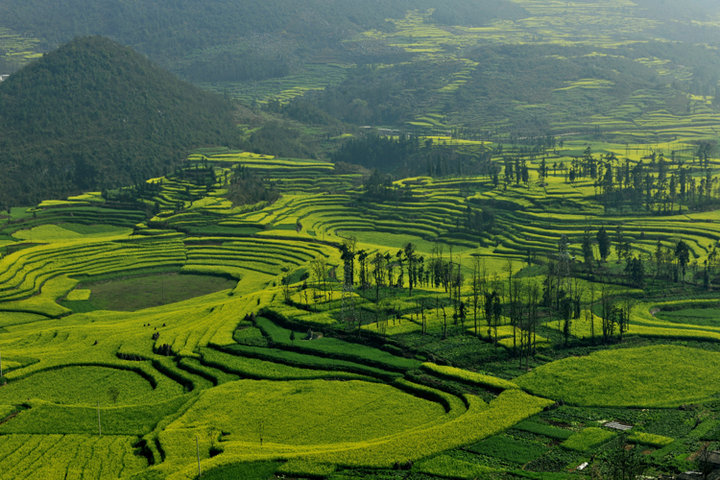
(94, 114)
(216, 40)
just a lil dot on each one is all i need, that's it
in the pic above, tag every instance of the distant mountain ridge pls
(216, 39)
(94, 114)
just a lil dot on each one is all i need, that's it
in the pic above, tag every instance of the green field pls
(79, 385)
(300, 414)
(135, 293)
(661, 375)
(695, 316)
(228, 324)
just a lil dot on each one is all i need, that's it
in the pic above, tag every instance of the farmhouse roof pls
(618, 426)
(713, 457)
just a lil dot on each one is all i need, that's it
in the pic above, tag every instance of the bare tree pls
(319, 270)
(478, 283)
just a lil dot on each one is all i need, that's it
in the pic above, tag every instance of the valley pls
(476, 240)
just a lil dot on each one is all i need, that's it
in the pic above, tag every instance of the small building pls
(690, 476)
(618, 426)
(3, 77)
(713, 458)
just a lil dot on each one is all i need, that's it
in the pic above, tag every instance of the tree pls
(508, 171)
(286, 288)
(704, 465)
(620, 462)
(319, 269)
(439, 306)
(493, 312)
(635, 270)
(399, 255)
(409, 251)
(362, 260)
(488, 308)
(462, 314)
(562, 269)
(603, 240)
(621, 315)
(378, 263)
(347, 251)
(497, 313)
(706, 276)
(682, 253)
(478, 282)
(619, 244)
(532, 322)
(607, 312)
(589, 316)
(587, 250)
(566, 310)
(515, 310)
(390, 267)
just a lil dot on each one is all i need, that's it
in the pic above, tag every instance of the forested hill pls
(217, 40)
(94, 114)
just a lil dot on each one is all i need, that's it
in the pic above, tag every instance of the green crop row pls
(509, 449)
(79, 385)
(334, 347)
(445, 466)
(304, 469)
(650, 439)
(74, 457)
(588, 438)
(467, 376)
(6, 411)
(44, 418)
(255, 368)
(544, 429)
(301, 360)
(26, 272)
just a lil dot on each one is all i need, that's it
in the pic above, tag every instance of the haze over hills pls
(486, 67)
(94, 114)
(221, 40)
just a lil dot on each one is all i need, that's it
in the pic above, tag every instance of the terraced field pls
(479, 328)
(284, 366)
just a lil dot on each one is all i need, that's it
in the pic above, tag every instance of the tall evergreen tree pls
(603, 240)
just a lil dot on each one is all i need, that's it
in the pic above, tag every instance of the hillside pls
(486, 68)
(94, 114)
(222, 40)
(557, 71)
(435, 327)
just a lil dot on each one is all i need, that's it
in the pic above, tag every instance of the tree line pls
(508, 307)
(408, 155)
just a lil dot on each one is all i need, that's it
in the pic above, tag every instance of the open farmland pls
(279, 361)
